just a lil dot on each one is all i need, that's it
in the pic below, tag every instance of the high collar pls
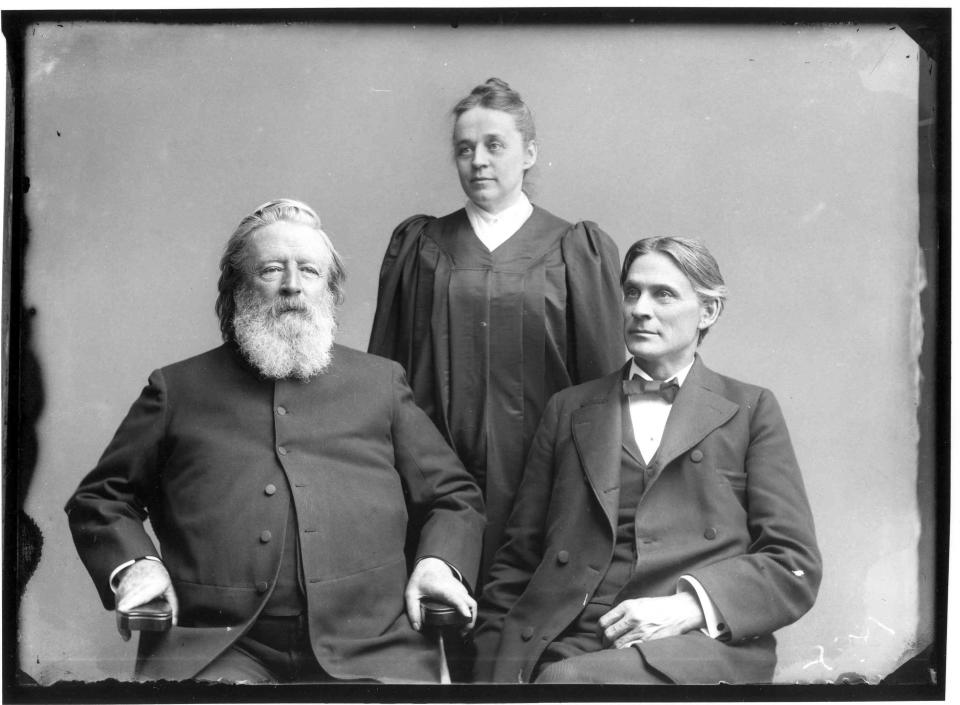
(519, 211)
(495, 229)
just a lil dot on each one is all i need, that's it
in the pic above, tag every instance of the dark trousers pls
(606, 666)
(274, 650)
(579, 656)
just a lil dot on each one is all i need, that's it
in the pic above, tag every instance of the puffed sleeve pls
(389, 336)
(107, 511)
(594, 302)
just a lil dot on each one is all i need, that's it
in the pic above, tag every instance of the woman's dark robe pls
(487, 337)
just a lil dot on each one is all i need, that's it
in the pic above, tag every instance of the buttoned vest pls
(583, 635)
(287, 598)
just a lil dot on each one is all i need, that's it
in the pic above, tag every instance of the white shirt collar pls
(494, 229)
(681, 375)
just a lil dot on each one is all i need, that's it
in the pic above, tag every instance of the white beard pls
(287, 337)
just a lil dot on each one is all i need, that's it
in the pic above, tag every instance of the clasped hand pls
(432, 578)
(145, 580)
(649, 618)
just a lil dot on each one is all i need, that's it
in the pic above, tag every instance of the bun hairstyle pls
(498, 95)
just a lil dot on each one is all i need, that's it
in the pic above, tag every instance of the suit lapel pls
(696, 412)
(597, 429)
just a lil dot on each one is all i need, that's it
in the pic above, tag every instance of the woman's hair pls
(233, 263)
(498, 95)
(691, 258)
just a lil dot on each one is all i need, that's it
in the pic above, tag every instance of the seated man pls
(277, 472)
(661, 532)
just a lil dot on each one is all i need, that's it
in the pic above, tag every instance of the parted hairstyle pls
(234, 266)
(495, 94)
(693, 259)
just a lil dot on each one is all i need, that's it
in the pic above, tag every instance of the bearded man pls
(278, 472)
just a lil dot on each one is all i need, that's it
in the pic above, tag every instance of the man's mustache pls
(286, 304)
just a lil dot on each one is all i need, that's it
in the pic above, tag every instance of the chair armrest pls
(439, 614)
(154, 616)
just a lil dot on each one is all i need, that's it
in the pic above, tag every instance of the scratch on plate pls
(819, 660)
(882, 56)
(882, 626)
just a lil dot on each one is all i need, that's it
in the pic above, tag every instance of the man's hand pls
(433, 578)
(145, 580)
(649, 618)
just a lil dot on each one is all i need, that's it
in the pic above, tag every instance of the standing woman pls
(496, 306)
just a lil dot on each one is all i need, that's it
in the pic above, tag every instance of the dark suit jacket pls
(727, 507)
(215, 456)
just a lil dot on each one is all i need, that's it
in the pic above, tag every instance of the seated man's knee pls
(236, 666)
(607, 666)
(565, 671)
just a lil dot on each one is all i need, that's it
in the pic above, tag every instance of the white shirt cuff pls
(114, 581)
(456, 573)
(715, 626)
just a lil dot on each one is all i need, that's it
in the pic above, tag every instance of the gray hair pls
(693, 259)
(233, 261)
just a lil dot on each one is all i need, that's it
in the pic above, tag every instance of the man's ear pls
(709, 313)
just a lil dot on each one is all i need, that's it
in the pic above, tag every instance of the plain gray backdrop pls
(790, 151)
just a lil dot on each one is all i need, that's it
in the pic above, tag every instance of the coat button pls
(526, 633)
(281, 410)
(281, 450)
(696, 456)
(710, 534)
(265, 536)
(262, 586)
(563, 557)
(270, 490)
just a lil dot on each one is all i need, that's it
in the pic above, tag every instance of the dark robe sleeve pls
(594, 302)
(402, 331)
(404, 325)
(390, 334)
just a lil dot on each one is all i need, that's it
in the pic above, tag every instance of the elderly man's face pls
(662, 314)
(285, 319)
(288, 260)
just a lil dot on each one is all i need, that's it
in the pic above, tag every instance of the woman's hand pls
(649, 618)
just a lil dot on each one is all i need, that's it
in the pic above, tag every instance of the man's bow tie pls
(638, 385)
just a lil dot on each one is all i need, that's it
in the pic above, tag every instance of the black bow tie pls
(638, 385)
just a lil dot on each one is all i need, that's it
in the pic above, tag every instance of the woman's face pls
(491, 157)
